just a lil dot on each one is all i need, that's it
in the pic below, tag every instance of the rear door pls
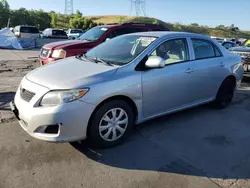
(210, 69)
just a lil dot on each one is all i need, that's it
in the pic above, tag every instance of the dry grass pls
(108, 18)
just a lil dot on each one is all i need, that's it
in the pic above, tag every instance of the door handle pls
(189, 70)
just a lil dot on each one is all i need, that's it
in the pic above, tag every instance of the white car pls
(74, 33)
(27, 32)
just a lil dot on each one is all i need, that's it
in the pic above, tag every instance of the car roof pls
(133, 24)
(169, 34)
(54, 29)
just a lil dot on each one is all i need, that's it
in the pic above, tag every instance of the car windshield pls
(76, 31)
(121, 50)
(93, 34)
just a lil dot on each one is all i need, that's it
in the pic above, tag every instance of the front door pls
(169, 88)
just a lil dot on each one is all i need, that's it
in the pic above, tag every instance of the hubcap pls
(113, 124)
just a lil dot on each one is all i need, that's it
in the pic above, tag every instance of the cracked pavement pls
(200, 147)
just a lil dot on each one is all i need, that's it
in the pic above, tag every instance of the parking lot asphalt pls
(200, 147)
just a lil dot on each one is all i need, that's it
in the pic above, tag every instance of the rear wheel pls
(110, 124)
(225, 94)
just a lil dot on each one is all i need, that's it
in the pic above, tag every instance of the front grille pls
(247, 54)
(26, 95)
(44, 52)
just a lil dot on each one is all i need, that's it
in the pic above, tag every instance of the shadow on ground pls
(200, 142)
(5, 99)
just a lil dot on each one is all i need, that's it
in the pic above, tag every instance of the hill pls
(194, 28)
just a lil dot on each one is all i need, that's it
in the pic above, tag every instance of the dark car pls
(244, 52)
(54, 33)
(228, 44)
(93, 37)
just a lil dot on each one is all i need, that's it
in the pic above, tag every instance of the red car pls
(93, 37)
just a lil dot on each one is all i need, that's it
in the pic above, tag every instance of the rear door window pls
(204, 49)
(32, 30)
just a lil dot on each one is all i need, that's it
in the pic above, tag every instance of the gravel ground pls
(11, 73)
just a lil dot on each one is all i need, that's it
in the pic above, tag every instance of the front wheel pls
(225, 94)
(110, 124)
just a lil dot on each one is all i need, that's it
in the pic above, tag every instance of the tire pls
(98, 131)
(225, 94)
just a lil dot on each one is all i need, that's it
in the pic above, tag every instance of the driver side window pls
(173, 51)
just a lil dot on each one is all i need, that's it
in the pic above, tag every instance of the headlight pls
(55, 98)
(59, 53)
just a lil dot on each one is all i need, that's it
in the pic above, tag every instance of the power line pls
(138, 7)
(69, 7)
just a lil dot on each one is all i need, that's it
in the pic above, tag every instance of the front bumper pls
(72, 118)
(44, 61)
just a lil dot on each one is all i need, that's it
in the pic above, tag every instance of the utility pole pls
(8, 25)
(69, 7)
(139, 7)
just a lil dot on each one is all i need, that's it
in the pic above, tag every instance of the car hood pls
(65, 44)
(70, 73)
(240, 49)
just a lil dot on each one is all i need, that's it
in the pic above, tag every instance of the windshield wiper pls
(103, 61)
(81, 56)
(93, 59)
(84, 57)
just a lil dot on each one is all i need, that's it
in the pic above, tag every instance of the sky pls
(204, 12)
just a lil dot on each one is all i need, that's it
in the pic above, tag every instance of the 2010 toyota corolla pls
(100, 95)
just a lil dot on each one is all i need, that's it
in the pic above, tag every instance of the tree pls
(195, 24)
(21, 17)
(156, 22)
(233, 28)
(221, 27)
(121, 19)
(53, 19)
(78, 23)
(4, 13)
(78, 14)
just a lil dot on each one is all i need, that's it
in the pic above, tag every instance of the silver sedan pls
(102, 94)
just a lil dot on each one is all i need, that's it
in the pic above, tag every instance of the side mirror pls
(155, 62)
